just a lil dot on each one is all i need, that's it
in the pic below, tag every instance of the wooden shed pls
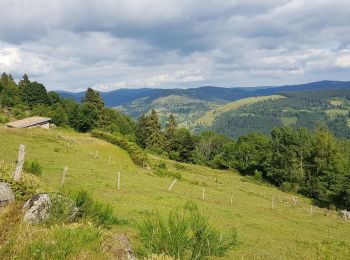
(31, 122)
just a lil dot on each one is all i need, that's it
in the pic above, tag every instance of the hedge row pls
(138, 156)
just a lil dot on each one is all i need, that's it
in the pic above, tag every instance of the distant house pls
(31, 122)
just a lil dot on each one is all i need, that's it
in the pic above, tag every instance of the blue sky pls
(111, 44)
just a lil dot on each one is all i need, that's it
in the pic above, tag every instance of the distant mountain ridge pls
(218, 95)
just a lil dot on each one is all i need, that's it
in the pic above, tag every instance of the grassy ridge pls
(209, 117)
(285, 232)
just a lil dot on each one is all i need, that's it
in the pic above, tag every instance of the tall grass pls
(101, 214)
(185, 235)
(63, 242)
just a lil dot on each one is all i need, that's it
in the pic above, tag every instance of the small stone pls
(6, 194)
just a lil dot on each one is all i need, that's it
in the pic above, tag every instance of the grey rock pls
(6, 194)
(41, 206)
(37, 209)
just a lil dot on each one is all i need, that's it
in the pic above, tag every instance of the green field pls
(284, 232)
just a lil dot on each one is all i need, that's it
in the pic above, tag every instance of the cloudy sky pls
(111, 44)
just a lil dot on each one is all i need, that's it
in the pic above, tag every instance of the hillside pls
(284, 232)
(192, 104)
(298, 109)
(209, 117)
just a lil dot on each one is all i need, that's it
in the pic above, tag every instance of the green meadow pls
(270, 224)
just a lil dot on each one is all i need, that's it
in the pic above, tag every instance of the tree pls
(330, 169)
(54, 97)
(290, 156)
(84, 118)
(170, 130)
(209, 145)
(251, 153)
(93, 97)
(24, 82)
(141, 131)
(34, 94)
(155, 138)
(184, 146)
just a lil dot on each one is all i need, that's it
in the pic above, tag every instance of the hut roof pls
(30, 121)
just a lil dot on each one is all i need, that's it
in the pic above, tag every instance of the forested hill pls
(330, 107)
(206, 93)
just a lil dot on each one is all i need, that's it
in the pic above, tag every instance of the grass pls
(286, 232)
(208, 118)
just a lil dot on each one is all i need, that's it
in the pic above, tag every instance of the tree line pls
(313, 163)
(27, 98)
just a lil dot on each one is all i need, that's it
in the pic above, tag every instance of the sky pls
(111, 44)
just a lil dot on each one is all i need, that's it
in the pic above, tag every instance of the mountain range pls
(239, 110)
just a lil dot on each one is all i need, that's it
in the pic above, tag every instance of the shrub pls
(161, 170)
(186, 235)
(33, 167)
(138, 156)
(24, 189)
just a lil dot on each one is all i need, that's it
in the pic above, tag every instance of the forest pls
(307, 109)
(312, 162)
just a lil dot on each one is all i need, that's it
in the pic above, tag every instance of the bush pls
(183, 236)
(33, 167)
(100, 213)
(24, 189)
(138, 156)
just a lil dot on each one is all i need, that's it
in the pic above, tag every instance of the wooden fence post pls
(231, 199)
(118, 181)
(172, 185)
(21, 156)
(203, 194)
(64, 174)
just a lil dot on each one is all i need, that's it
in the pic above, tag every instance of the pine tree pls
(170, 130)
(155, 137)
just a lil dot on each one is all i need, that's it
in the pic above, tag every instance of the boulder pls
(43, 206)
(6, 194)
(37, 209)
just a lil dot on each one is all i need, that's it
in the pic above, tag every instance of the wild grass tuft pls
(101, 214)
(186, 235)
(33, 167)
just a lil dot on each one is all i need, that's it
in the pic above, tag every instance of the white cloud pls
(343, 60)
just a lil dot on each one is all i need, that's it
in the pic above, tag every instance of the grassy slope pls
(282, 233)
(209, 117)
